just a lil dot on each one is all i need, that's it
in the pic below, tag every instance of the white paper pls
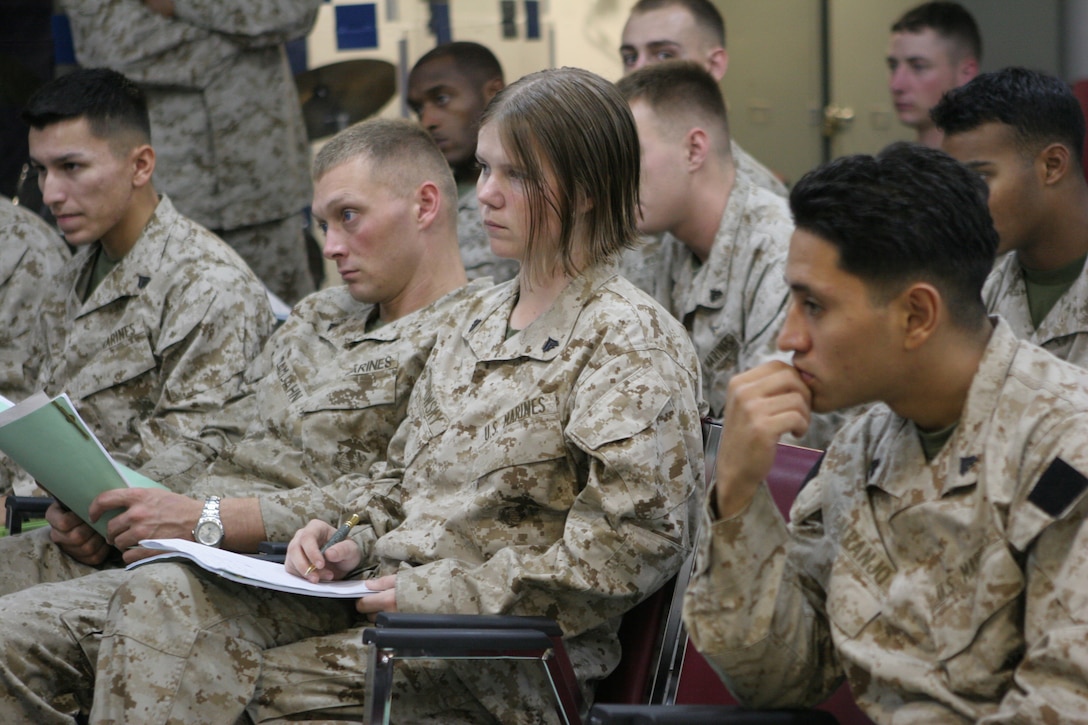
(250, 570)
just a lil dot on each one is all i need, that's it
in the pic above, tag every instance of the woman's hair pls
(576, 126)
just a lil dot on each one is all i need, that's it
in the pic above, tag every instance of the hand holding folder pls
(48, 438)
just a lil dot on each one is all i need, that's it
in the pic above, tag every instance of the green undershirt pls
(103, 265)
(1046, 288)
(933, 441)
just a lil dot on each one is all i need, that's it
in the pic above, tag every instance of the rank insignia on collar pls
(715, 295)
(142, 281)
(967, 463)
(550, 344)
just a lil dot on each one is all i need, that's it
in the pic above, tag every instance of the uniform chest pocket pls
(527, 433)
(522, 454)
(851, 604)
(114, 366)
(977, 590)
(348, 423)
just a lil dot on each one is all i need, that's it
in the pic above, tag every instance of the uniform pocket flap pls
(357, 392)
(119, 363)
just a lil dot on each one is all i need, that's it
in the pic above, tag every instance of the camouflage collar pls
(548, 335)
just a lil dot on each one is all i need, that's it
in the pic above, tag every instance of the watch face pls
(208, 533)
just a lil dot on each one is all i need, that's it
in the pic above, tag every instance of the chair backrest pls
(649, 632)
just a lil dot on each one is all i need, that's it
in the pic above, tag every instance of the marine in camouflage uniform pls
(327, 395)
(226, 120)
(1064, 330)
(580, 435)
(476, 252)
(164, 339)
(947, 591)
(733, 305)
(31, 254)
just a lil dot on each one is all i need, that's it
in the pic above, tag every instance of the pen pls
(337, 536)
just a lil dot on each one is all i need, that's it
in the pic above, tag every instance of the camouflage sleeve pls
(286, 511)
(634, 427)
(752, 611)
(27, 270)
(1048, 683)
(210, 334)
(185, 51)
(265, 22)
(130, 38)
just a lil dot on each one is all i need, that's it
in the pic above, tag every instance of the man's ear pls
(697, 142)
(492, 87)
(920, 307)
(1054, 163)
(967, 70)
(717, 63)
(143, 164)
(428, 203)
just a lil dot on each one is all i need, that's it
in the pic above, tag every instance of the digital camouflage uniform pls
(733, 306)
(1064, 330)
(327, 397)
(226, 123)
(553, 473)
(756, 172)
(947, 591)
(476, 252)
(163, 341)
(31, 255)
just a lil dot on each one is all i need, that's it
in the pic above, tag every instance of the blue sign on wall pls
(356, 26)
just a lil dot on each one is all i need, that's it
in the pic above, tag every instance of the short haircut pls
(949, 20)
(472, 60)
(908, 214)
(1039, 108)
(113, 105)
(679, 91)
(401, 156)
(576, 125)
(706, 15)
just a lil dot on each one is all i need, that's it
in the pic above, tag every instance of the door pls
(783, 75)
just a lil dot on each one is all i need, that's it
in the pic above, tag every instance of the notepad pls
(249, 570)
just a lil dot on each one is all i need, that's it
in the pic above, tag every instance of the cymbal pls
(337, 95)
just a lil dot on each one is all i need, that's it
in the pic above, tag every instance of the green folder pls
(52, 443)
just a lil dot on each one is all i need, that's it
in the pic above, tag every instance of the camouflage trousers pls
(31, 558)
(47, 660)
(276, 252)
(170, 643)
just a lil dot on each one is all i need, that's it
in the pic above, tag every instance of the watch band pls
(209, 527)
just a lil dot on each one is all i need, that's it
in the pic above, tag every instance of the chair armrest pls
(21, 508)
(456, 642)
(703, 715)
(272, 551)
(407, 620)
(400, 635)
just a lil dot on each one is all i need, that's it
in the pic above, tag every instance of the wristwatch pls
(209, 527)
